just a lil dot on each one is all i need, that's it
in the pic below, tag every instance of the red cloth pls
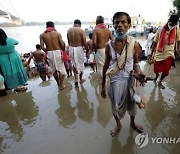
(76, 25)
(49, 29)
(100, 25)
(45, 56)
(162, 40)
(163, 66)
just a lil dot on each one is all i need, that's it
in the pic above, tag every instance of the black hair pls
(90, 35)
(3, 37)
(174, 18)
(99, 20)
(77, 21)
(38, 46)
(117, 14)
(151, 29)
(50, 24)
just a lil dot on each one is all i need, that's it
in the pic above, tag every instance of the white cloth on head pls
(55, 61)
(77, 58)
(100, 59)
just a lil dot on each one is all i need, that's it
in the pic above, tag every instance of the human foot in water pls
(115, 131)
(82, 80)
(137, 127)
(161, 86)
(61, 87)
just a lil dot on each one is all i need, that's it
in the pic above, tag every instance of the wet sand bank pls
(44, 120)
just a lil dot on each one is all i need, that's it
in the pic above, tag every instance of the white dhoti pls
(77, 58)
(55, 61)
(119, 93)
(100, 59)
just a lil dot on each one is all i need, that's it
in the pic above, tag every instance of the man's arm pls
(30, 57)
(85, 44)
(42, 43)
(153, 48)
(62, 44)
(136, 67)
(178, 49)
(105, 67)
(154, 43)
(137, 52)
(178, 43)
(94, 39)
(68, 39)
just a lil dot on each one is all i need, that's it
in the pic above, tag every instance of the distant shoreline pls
(39, 24)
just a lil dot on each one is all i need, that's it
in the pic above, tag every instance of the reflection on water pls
(16, 112)
(103, 110)
(65, 112)
(45, 83)
(78, 120)
(128, 148)
(85, 109)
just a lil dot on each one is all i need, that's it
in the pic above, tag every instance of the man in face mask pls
(121, 57)
(166, 40)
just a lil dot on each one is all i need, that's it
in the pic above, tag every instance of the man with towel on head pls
(101, 35)
(51, 42)
(166, 40)
(77, 40)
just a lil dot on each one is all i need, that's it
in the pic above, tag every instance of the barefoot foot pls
(76, 83)
(161, 86)
(61, 87)
(115, 131)
(82, 80)
(137, 127)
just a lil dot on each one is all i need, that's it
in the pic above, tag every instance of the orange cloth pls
(170, 39)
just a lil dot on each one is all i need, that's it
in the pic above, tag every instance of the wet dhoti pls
(100, 59)
(121, 99)
(77, 58)
(55, 61)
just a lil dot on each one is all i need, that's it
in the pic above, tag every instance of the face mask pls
(170, 27)
(120, 36)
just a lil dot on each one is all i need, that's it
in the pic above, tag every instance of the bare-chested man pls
(38, 56)
(52, 43)
(77, 40)
(101, 35)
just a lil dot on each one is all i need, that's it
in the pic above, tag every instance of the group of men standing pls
(52, 43)
(116, 56)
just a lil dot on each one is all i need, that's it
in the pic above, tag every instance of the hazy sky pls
(68, 10)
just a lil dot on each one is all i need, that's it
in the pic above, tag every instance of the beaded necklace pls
(123, 65)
